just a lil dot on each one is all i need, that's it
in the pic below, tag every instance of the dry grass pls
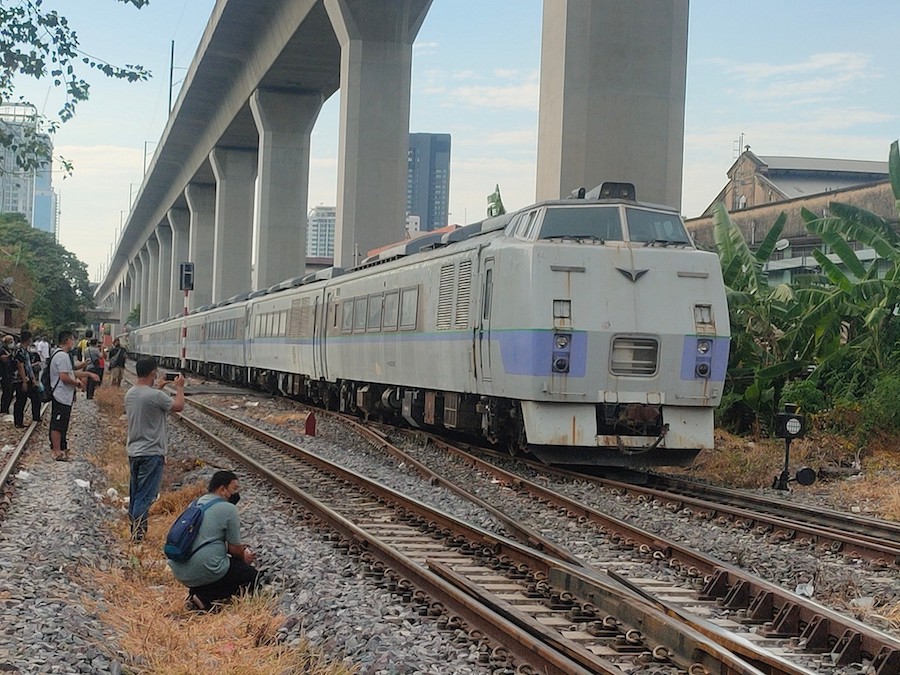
(146, 606)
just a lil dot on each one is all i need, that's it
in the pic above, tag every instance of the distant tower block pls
(612, 97)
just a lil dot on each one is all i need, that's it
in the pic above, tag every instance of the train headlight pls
(703, 346)
(560, 364)
(562, 341)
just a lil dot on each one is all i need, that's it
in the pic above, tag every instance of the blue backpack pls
(179, 544)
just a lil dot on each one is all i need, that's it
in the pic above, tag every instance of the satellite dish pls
(782, 244)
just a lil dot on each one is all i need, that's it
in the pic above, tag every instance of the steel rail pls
(19, 449)
(874, 529)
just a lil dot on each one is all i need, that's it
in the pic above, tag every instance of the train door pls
(320, 328)
(483, 329)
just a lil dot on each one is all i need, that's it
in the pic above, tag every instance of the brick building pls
(761, 188)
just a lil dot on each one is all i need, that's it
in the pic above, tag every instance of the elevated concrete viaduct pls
(230, 173)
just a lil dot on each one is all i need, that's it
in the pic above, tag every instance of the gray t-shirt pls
(220, 525)
(146, 408)
(61, 362)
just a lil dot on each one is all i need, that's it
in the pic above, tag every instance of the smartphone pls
(171, 376)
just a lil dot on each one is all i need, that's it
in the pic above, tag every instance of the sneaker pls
(7, 418)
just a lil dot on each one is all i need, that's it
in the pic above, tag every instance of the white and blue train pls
(584, 331)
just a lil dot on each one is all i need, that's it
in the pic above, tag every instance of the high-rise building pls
(27, 192)
(428, 179)
(320, 232)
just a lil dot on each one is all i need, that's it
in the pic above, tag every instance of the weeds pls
(145, 605)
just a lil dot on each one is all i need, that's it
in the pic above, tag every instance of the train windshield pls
(655, 227)
(596, 223)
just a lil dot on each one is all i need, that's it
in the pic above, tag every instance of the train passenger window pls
(391, 310)
(595, 223)
(409, 308)
(656, 227)
(346, 316)
(359, 315)
(374, 322)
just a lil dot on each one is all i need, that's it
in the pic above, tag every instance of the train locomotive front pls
(608, 329)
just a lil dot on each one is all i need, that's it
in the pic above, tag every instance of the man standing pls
(221, 566)
(43, 348)
(64, 380)
(146, 407)
(24, 383)
(116, 362)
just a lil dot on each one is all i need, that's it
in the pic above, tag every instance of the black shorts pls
(59, 416)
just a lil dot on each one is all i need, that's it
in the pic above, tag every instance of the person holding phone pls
(146, 407)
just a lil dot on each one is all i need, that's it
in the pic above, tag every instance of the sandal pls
(196, 604)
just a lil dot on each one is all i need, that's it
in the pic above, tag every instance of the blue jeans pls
(146, 476)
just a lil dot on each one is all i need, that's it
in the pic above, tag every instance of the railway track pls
(828, 530)
(866, 528)
(546, 614)
(779, 613)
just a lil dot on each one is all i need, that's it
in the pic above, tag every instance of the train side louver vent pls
(463, 293)
(445, 298)
(634, 356)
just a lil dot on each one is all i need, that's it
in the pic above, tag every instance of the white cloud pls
(522, 96)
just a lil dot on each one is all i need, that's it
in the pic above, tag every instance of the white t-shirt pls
(61, 362)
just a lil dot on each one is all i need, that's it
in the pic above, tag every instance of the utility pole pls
(171, 71)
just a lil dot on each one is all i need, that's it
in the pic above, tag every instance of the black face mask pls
(235, 498)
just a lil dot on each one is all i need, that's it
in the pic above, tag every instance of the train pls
(581, 331)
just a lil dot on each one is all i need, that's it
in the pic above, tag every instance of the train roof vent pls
(222, 303)
(462, 233)
(258, 294)
(293, 282)
(329, 273)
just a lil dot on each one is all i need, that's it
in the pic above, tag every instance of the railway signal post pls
(186, 284)
(789, 425)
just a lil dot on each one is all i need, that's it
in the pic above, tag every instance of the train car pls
(583, 331)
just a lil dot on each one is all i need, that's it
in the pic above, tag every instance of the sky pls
(806, 78)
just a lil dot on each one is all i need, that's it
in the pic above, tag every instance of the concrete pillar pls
(124, 300)
(612, 97)
(152, 279)
(201, 199)
(164, 287)
(144, 257)
(180, 222)
(285, 121)
(134, 291)
(235, 171)
(376, 62)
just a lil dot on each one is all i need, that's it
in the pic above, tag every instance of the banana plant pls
(759, 313)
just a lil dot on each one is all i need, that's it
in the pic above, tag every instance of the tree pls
(134, 317)
(495, 204)
(59, 279)
(39, 43)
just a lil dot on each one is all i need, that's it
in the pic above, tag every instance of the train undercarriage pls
(499, 421)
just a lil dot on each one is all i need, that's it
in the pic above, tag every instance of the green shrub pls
(881, 406)
(806, 394)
